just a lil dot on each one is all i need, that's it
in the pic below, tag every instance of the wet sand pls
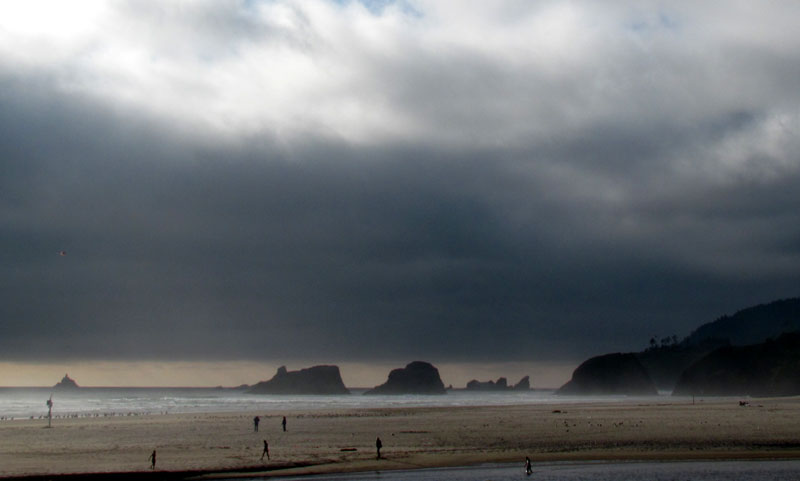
(344, 440)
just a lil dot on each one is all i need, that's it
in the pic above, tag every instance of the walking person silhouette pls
(266, 450)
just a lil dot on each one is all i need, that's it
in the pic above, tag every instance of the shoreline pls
(298, 469)
(225, 446)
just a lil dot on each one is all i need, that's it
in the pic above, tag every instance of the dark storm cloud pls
(549, 205)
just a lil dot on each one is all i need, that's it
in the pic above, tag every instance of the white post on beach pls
(49, 411)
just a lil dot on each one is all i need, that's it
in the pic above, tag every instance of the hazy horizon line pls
(205, 374)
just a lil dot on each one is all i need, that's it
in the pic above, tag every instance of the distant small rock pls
(616, 373)
(66, 383)
(524, 384)
(313, 380)
(501, 384)
(418, 377)
(476, 385)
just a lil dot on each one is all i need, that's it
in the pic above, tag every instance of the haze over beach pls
(235, 373)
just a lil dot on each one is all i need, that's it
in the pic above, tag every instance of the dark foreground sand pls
(344, 440)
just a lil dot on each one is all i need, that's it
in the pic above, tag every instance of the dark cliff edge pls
(665, 363)
(752, 325)
(771, 368)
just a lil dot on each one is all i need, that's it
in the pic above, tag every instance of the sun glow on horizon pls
(236, 373)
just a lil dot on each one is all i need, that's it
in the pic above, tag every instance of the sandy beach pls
(344, 440)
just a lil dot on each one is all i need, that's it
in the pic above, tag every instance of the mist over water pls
(22, 403)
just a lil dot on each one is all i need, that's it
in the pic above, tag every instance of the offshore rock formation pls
(313, 380)
(501, 384)
(610, 374)
(524, 384)
(66, 383)
(766, 369)
(418, 377)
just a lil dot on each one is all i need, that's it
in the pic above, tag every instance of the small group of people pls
(257, 421)
(265, 452)
(152, 457)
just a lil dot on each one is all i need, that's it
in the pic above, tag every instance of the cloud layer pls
(391, 180)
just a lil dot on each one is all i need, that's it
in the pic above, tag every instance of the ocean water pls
(24, 403)
(588, 471)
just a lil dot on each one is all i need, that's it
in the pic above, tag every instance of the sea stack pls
(312, 380)
(501, 384)
(66, 383)
(616, 373)
(524, 384)
(418, 377)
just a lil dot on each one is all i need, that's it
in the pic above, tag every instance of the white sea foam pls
(21, 403)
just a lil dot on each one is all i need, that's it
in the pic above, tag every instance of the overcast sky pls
(354, 181)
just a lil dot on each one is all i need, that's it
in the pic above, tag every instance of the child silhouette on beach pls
(266, 450)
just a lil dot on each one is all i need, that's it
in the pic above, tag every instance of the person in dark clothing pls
(283, 423)
(256, 420)
(528, 468)
(152, 460)
(266, 450)
(378, 445)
